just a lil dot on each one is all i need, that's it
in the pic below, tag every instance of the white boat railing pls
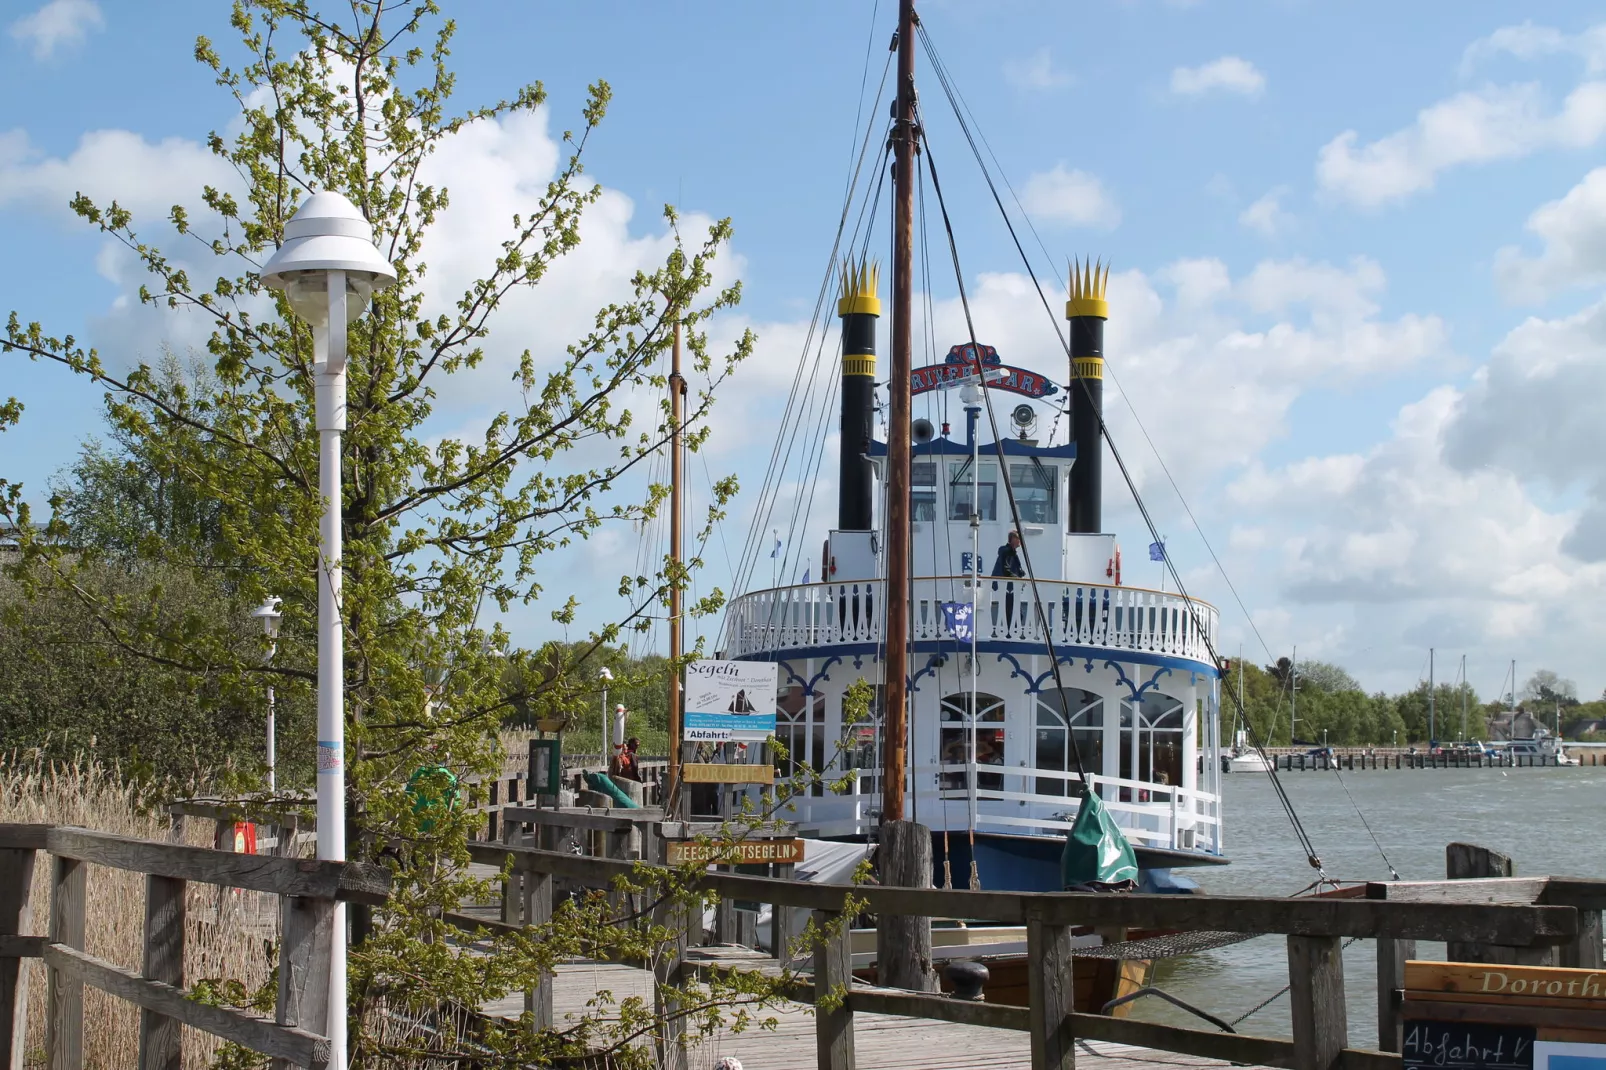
(850, 613)
(1155, 815)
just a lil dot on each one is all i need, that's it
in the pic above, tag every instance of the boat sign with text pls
(730, 700)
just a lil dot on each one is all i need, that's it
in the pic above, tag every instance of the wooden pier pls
(1362, 760)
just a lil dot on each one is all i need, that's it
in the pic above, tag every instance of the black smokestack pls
(859, 308)
(1087, 310)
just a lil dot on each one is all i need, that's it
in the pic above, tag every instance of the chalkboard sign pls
(1465, 1046)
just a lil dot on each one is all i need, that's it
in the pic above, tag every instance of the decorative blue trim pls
(933, 663)
(792, 675)
(1034, 684)
(1154, 681)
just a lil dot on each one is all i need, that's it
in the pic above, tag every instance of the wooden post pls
(1467, 860)
(833, 972)
(781, 918)
(1051, 994)
(308, 927)
(1391, 957)
(16, 919)
(64, 1040)
(668, 971)
(538, 911)
(513, 899)
(1316, 997)
(903, 944)
(160, 1037)
(1584, 951)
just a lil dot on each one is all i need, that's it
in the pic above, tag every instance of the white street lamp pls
(605, 675)
(268, 613)
(328, 268)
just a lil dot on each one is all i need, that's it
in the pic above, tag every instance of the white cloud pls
(1267, 216)
(1073, 197)
(58, 23)
(1469, 128)
(1529, 42)
(1573, 230)
(1036, 71)
(146, 177)
(1229, 74)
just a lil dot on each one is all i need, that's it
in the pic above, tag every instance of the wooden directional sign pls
(741, 853)
(722, 773)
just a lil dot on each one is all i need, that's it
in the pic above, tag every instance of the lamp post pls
(605, 675)
(268, 613)
(327, 269)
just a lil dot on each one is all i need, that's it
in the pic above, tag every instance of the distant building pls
(1515, 725)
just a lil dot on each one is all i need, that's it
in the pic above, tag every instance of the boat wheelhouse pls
(992, 726)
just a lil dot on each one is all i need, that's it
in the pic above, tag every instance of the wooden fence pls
(307, 889)
(1539, 921)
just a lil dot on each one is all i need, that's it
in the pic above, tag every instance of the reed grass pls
(226, 937)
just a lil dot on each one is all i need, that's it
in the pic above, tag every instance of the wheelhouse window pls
(955, 739)
(1064, 716)
(960, 490)
(1035, 486)
(922, 491)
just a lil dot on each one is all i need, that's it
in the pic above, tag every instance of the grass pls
(225, 937)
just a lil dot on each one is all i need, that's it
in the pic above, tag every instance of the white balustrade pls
(824, 615)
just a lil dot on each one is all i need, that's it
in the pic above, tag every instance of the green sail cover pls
(1096, 851)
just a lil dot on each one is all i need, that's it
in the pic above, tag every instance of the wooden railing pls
(308, 890)
(1555, 921)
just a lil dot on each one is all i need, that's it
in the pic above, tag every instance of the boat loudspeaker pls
(923, 431)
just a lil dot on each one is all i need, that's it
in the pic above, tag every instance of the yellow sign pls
(718, 773)
(742, 853)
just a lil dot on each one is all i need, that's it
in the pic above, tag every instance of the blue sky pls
(1359, 250)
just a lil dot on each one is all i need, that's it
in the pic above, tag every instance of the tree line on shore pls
(1323, 704)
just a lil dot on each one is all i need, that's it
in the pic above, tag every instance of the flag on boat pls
(1156, 551)
(959, 618)
(805, 575)
(1097, 856)
(777, 551)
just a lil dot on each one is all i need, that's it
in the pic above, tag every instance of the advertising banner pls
(730, 700)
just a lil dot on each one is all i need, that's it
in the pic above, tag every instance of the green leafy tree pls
(440, 534)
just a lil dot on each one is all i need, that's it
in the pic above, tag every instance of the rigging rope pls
(1282, 795)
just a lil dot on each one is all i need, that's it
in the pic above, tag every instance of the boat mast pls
(677, 398)
(1463, 697)
(1430, 698)
(895, 730)
(903, 944)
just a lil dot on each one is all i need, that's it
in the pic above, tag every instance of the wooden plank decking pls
(881, 1041)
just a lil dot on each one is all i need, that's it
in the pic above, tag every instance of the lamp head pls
(270, 616)
(327, 233)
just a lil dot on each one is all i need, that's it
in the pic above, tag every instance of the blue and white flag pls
(777, 551)
(1156, 551)
(958, 617)
(805, 575)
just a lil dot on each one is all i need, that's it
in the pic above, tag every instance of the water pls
(1547, 820)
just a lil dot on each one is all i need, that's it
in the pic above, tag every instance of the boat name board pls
(1497, 981)
(727, 773)
(740, 853)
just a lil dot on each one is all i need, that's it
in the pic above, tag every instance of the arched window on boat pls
(800, 728)
(1151, 746)
(955, 739)
(1064, 715)
(861, 745)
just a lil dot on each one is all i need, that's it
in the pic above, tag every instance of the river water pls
(1550, 821)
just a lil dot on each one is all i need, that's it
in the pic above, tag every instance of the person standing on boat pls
(1008, 564)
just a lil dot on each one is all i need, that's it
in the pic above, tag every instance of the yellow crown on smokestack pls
(859, 286)
(1089, 282)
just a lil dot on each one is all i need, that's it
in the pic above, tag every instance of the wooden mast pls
(895, 741)
(903, 944)
(677, 398)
